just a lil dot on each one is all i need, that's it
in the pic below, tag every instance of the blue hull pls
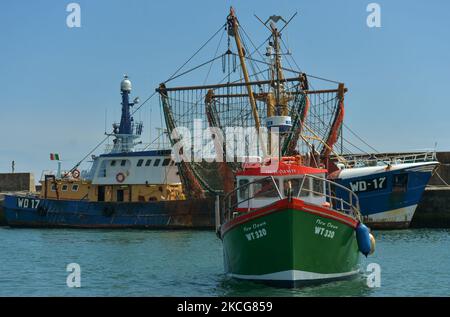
(34, 212)
(388, 198)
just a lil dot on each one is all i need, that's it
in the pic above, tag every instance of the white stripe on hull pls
(293, 275)
(404, 214)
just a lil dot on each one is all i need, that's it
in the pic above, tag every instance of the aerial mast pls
(233, 29)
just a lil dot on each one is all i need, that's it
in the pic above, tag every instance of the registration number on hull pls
(28, 203)
(326, 230)
(256, 231)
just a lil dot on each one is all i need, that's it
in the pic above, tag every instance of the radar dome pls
(125, 85)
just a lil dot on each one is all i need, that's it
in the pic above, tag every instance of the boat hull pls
(33, 212)
(291, 244)
(383, 205)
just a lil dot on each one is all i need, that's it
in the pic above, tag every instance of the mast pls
(126, 131)
(233, 23)
(281, 106)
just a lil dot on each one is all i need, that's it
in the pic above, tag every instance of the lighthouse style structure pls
(126, 132)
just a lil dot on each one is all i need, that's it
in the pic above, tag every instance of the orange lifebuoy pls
(76, 173)
(120, 177)
(292, 159)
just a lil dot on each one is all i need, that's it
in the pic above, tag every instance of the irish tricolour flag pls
(54, 156)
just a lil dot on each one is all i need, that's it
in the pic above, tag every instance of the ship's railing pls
(373, 160)
(84, 174)
(136, 127)
(347, 202)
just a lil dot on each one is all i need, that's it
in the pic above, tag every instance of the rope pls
(106, 138)
(439, 176)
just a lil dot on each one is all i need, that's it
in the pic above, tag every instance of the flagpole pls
(58, 174)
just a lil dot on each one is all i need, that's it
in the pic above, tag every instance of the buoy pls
(120, 177)
(363, 239)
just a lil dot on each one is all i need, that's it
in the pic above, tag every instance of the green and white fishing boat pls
(286, 227)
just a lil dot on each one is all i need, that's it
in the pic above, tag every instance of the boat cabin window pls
(244, 191)
(400, 183)
(156, 162)
(148, 162)
(166, 162)
(318, 187)
(113, 163)
(64, 187)
(53, 189)
(123, 162)
(140, 162)
(102, 170)
(296, 183)
(265, 189)
(75, 187)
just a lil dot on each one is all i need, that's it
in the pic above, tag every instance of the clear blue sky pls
(57, 82)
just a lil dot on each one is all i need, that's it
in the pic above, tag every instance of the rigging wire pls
(345, 125)
(215, 55)
(190, 58)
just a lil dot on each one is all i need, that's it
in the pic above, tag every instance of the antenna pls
(106, 118)
(275, 19)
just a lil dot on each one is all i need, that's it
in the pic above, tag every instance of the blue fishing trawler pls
(389, 189)
(124, 188)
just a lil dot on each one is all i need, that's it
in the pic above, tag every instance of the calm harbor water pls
(189, 263)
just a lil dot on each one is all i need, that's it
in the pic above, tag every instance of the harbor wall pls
(14, 182)
(11, 182)
(434, 209)
(443, 172)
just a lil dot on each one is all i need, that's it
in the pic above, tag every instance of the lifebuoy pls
(120, 177)
(76, 173)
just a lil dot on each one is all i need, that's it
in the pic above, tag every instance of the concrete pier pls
(12, 183)
(2, 215)
(434, 209)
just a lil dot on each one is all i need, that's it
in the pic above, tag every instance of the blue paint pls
(85, 214)
(383, 200)
(363, 239)
(126, 119)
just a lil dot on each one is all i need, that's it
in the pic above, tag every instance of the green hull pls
(291, 246)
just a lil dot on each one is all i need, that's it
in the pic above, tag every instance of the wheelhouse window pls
(102, 170)
(265, 189)
(75, 187)
(148, 162)
(64, 187)
(400, 183)
(166, 162)
(123, 162)
(295, 184)
(244, 189)
(156, 162)
(140, 162)
(113, 163)
(318, 187)
(53, 188)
